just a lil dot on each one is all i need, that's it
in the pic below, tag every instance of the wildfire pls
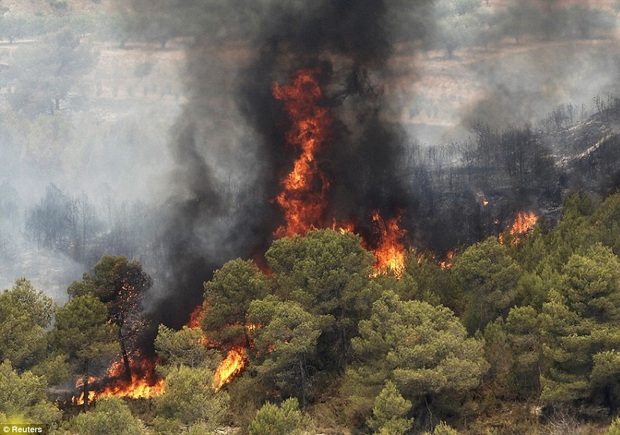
(390, 251)
(196, 317)
(303, 195)
(524, 222)
(143, 384)
(232, 365)
(235, 360)
(446, 263)
(139, 388)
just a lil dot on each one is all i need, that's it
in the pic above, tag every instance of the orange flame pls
(196, 317)
(231, 366)
(446, 263)
(390, 251)
(144, 384)
(236, 358)
(524, 222)
(303, 195)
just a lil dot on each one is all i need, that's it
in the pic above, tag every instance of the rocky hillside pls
(588, 152)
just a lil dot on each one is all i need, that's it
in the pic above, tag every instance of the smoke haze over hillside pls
(182, 166)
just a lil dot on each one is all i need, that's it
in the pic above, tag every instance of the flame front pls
(143, 384)
(524, 222)
(390, 250)
(232, 365)
(235, 360)
(303, 196)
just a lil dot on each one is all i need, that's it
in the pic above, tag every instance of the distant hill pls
(45, 7)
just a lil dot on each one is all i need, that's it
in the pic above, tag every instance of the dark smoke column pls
(230, 147)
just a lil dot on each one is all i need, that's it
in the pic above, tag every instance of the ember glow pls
(303, 196)
(390, 250)
(446, 263)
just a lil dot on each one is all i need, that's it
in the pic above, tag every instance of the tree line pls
(526, 324)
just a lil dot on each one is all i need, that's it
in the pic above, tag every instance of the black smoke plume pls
(230, 148)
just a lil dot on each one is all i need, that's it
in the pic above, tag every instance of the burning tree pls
(120, 284)
(83, 332)
(227, 299)
(303, 198)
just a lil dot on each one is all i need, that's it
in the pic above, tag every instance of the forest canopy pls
(328, 344)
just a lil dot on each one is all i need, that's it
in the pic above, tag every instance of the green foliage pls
(614, 427)
(23, 397)
(189, 398)
(117, 281)
(433, 284)
(111, 416)
(54, 367)
(389, 412)
(605, 375)
(25, 315)
(488, 275)
(200, 428)
(286, 345)
(277, 420)
(514, 349)
(423, 349)
(573, 232)
(184, 347)
(444, 429)
(82, 329)
(227, 299)
(578, 323)
(606, 218)
(83, 333)
(327, 273)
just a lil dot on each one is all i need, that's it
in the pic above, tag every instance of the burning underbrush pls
(524, 222)
(141, 383)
